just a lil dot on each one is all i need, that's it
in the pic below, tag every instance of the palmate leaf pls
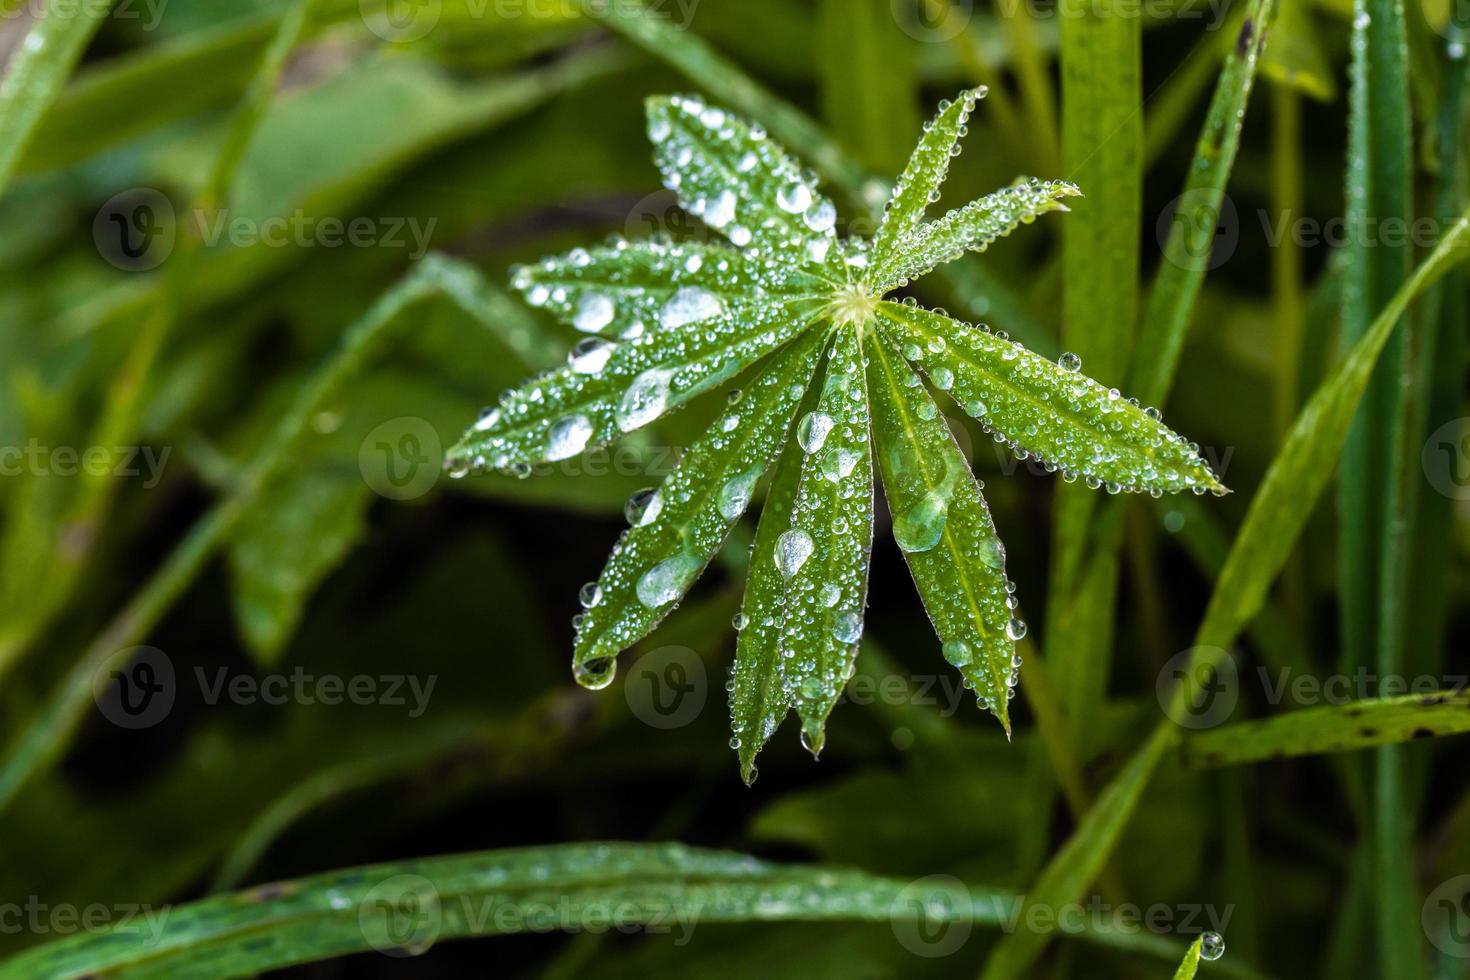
(675, 320)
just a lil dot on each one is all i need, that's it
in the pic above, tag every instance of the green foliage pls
(673, 321)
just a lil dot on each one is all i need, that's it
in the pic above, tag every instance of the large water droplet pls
(794, 198)
(721, 211)
(590, 595)
(1070, 362)
(821, 218)
(643, 507)
(590, 355)
(735, 495)
(921, 526)
(1211, 946)
(812, 430)
(645, 399)
(1015, 629)
(958, 652)
(596, 674)
(690, 305)
(668, 580)
(847, 627)
(792, 550)
(594, 311)
(568, 437)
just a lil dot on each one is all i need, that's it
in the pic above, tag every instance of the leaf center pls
(852, 305)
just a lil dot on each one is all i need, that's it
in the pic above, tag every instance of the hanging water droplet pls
(596, 674)
(812, 431)
(1015, 629)
(1070, 362)
(1211, 946)
(958, 653)
(792, 550)
(645, 399)
(590, 595)
(643, 507)
(921, 526)
(590, 355)
(739, 621)
(668, 580)
(594, 311)
(690, 305)
(568, 437)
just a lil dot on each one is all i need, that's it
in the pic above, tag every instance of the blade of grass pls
(38, 70)
(1102, 153)
(1338, 728)
(1276, 517)
(869, 81)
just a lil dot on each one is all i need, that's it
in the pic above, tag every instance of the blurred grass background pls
(502, 131)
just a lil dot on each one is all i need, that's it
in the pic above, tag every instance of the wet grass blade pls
(943, 528)
(1190, 966)
(1338, 728)
(37, 70)
(1187, 251)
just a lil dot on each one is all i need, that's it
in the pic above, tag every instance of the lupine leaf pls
(607, 389)
(1042, 408)
(759, 701)
(824, 554)
(919, 185)
(626, 289)
(740, 183)
(679, 527)
(1190, 966)
(944, 530)
(970, 228)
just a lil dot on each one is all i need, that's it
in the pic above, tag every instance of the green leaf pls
(404, 907)
(919, 185)
(1043, 409)
(607, 390)
(626, 289)
(759, 700)
(974, 227)
(302, 527)
(824, 554)
(1190, 966)
(37, 68)
(944, 530)
(736, 180)
(1337, 728)
(678, 528)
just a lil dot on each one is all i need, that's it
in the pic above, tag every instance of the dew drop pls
(1211, 946)
(739, 621)
(838, 465)
(812, 431)
(721, 211)
(1070, 362)
(590, 355)
(590, 595)
(690, 305)
(1015, 629)
(596, 674)
(822, 218)
(643, 507)
(921, 526)
(847, 627)
(594, 311)
(792, 550)
(735, 495)
(568, 437)
(668, 580)
(645, 400)
(958, 652)
(794, 198)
